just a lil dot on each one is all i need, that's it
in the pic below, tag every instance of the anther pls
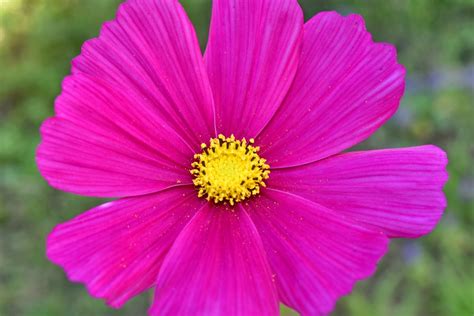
(229, 170)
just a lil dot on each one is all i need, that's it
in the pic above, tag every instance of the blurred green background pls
(429, 276)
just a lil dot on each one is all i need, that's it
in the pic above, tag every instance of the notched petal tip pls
(251, 57)
(316, 254)
(116, 249)
(399, 191)
(349, 85)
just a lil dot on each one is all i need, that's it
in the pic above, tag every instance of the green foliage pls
(430, 276)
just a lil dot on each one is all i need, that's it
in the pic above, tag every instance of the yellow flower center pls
(229, 170)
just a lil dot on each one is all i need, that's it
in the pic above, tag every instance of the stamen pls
(229, 170)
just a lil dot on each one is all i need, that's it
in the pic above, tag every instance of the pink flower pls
(233, 227)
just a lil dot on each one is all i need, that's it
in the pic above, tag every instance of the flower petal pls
(399, 191)
(316, 254)
(117, 248)
(217, 266)
(106, 143)
(151, 49)
(251, 59)
(345, 88)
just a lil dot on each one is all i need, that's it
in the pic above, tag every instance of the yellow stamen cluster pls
(229, 170)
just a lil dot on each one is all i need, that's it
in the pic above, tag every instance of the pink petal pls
(345, 88)
(151, 49)
(316, 254)
(251, 58)
(217, 266)
(107, 143)
(399, 191)
(117, 248)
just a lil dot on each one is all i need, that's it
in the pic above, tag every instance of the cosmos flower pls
(233, 190)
